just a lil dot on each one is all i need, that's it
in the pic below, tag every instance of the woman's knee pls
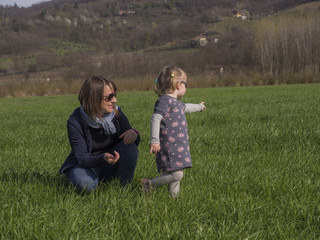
(86, 184)
(131, 149)
(128, 153)
(83, 179)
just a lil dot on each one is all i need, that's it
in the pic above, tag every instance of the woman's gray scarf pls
(105, 122)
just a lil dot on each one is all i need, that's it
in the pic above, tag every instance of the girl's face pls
(108, 99)
(182, 88)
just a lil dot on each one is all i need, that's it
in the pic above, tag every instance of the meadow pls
(255, 175)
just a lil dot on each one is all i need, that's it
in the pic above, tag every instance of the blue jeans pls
(87, 178)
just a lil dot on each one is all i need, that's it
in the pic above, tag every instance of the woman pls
(103, 144)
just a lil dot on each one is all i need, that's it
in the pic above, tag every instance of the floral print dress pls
(174, 141)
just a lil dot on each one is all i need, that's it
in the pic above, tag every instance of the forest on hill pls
(253, 41)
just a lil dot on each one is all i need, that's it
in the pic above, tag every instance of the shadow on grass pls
(61, 184)
(33, 176)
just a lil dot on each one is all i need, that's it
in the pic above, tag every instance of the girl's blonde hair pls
(168, 79)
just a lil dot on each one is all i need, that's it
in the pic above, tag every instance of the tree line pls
(289, 45)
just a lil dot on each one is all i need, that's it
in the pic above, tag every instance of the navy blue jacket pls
(81, 141)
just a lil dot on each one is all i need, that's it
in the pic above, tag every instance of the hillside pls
(74, 39)
(113, 26)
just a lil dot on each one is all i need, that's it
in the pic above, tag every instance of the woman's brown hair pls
(90, 95)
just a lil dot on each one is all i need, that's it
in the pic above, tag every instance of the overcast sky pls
(20, 3)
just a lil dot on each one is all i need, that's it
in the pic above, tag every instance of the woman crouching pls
(103, 144)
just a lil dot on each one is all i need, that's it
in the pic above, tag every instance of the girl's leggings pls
(170, 178)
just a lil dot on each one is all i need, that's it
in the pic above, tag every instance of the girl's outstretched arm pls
(191, 107)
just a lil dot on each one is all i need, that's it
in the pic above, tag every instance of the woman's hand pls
(111, 159)
(154, 148)
(129, 136)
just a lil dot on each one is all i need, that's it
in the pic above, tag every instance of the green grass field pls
(255, 175)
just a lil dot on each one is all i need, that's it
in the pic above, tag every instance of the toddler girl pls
(169, 130)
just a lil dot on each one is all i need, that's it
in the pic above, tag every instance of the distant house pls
(203, 41)
(239, 14)
(199, 41)
(217, 69)
(213, 39)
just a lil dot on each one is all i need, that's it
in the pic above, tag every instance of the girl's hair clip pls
(156, 80)
(172, 75)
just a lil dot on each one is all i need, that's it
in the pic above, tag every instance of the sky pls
(20, 3)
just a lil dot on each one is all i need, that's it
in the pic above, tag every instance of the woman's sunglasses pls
(109, 97)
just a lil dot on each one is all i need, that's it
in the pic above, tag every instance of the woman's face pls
(108, 99)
